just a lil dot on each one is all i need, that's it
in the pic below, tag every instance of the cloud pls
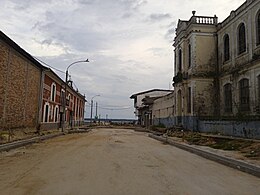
(170, 32)
(159, 17)
(128, 42)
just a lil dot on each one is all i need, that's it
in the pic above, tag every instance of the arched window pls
(53, 92)
(180, 60)
(62, 97)
(258, 29)
(226, 48)
(244, 94)
(46, 113)
(258, 80)
(228, 97)
(189, 55)
(241, 38)
(175, 61)
(56, 113)
(189, 100)
(68, 100)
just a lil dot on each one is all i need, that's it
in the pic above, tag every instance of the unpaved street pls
(116, 161)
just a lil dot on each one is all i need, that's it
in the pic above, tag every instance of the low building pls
(163, 110)
(142, 102)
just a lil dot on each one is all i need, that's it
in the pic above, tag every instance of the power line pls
(106, 108)
(114, 108)
(48, 65)
(113, 105)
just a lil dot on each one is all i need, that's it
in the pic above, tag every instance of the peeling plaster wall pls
(244, 65)
(163, 110)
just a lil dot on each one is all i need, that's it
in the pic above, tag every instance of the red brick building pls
(31, 95)
(52, 103)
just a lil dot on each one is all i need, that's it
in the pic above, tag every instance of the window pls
(46, 113)
(53, 92)
(258, 29)
(68, 100)
(56, 113)
(228, 97)
(241, 38)
(189, 100)
(258, 79)
(175, 61)
(226, 48)
(189, 55)
(76, 107)
(62, 97)
(180, 60)
(244, 94)
(51, 112)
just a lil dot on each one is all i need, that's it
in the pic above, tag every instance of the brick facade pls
(31, 94)
(52, 103)
(19, 87)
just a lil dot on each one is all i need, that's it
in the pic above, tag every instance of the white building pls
(142, 100)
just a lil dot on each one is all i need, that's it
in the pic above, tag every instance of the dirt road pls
(116, 161)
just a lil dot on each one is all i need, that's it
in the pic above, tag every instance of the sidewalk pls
(227, 158)
(30, 140)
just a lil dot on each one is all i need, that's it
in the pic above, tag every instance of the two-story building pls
(163, 110)
(217, 72)
(142, 103)
(53, 102)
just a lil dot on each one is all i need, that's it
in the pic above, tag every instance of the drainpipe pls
(40, 101)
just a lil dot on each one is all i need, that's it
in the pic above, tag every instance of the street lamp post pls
(65, 95)
(91, 108)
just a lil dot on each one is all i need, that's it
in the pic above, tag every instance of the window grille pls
(226, 48)
(228, 97)
(189, 55)
(189, 100)
(241, 38)
(180, 60)
(258, 29)
(244, 95)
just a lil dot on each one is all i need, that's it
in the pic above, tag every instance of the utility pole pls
(96, 109)
(65, 93)
(91, 109)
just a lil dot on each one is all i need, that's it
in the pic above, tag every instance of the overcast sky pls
(128, 42)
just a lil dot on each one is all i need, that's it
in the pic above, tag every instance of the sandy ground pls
(116, 161)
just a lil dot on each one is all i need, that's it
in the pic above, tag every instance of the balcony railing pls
(204, 20)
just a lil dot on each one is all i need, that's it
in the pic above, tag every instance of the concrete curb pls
(140, 130)
(79, 131)
(16, 144)
(237, 164)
